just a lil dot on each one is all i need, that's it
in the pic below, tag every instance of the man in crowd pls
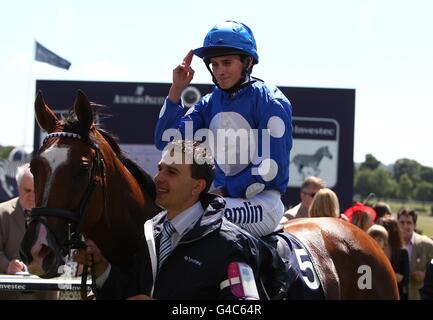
(308, 190)
(14, 215)
(191, 251)
(419, 247)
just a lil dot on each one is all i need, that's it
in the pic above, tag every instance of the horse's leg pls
(300, 167)
(303, 175)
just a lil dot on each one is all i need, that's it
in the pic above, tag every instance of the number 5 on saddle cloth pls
(305, 284)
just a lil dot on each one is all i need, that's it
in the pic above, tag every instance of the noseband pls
(75, 218)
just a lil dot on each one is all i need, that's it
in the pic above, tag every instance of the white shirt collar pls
(187, 218)
(412, 238)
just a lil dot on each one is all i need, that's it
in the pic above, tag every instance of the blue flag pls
(44, 55)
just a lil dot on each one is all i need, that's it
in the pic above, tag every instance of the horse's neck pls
(129, 196)
(124, 215)
(126, 193)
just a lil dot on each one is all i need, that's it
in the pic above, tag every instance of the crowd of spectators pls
(409, 252)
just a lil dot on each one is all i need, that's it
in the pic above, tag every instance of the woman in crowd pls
(397, 255)
(324, 204)
(361, 215)
(380, 235)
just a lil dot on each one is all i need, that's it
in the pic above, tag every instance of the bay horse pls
(84, 185)
(347, 262)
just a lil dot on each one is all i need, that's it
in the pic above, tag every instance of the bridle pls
(74, 218)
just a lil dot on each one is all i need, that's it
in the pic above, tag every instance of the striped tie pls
(27, 217)
(165, 244)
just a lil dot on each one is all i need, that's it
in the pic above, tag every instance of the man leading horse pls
(321, 258)
(326, 253)
(190, 250)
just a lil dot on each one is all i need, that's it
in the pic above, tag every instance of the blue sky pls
(383, 49)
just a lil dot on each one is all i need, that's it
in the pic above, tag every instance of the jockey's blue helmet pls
(228, 37)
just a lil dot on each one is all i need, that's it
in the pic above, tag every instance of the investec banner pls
(315, 150)
(323, 126)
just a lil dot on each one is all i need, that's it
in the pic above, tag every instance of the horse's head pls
(84, 185)
(68, 171)
(324, 151)
(69, 179)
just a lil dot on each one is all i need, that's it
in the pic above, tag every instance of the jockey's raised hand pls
(182, 77)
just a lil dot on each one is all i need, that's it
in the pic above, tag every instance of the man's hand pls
(182, 77)
(84, 256)
(15, 266)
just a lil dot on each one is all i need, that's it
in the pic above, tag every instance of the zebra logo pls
(308, 164)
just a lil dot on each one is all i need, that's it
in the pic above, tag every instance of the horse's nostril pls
(45, 251)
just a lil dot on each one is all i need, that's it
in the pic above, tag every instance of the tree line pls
(406, 179)
(4, 151)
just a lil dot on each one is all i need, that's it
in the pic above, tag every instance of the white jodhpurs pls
(260, 215)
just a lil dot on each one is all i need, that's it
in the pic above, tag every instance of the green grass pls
(417, 206)
(425, 224)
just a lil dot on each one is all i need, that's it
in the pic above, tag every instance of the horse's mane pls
(71, 124)
(142, 177)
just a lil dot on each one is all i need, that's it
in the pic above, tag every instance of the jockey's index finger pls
(188, 59)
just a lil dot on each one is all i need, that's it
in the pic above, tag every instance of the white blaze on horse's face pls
(35, 266)
(55, 156)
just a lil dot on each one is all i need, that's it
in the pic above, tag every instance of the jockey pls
(244, 121)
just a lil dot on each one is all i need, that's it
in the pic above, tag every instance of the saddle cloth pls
(306, 284)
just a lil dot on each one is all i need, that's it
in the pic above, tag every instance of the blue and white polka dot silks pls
(259, 114)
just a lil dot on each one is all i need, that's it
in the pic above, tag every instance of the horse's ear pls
(44, 115)
(83, 110)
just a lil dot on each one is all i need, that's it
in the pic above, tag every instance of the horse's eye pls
(84, 168)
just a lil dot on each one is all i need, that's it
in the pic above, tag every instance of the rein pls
(76, 218)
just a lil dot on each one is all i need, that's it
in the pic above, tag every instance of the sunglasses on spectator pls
(312, 194)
